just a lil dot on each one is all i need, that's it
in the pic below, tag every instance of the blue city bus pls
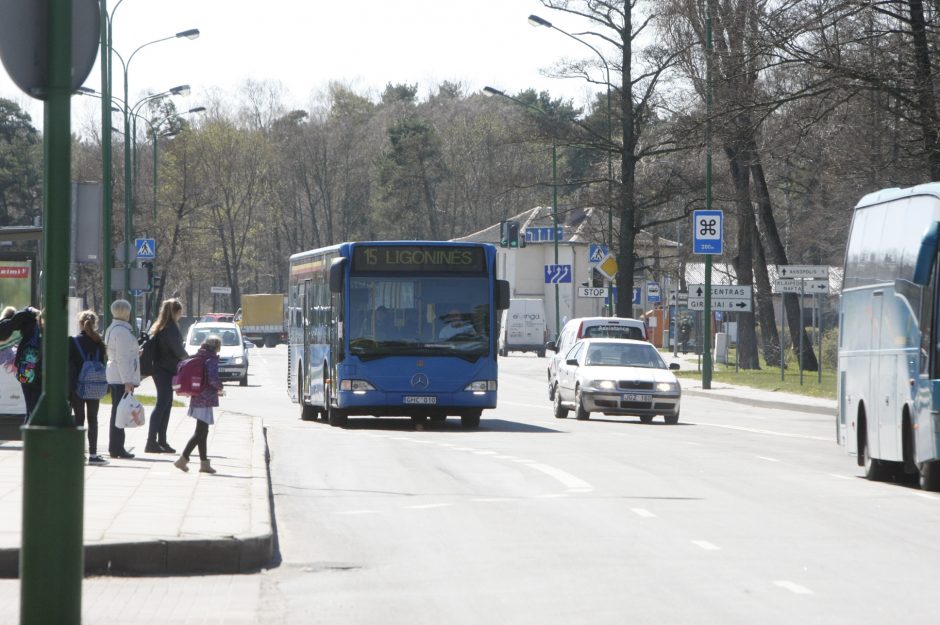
(889, 338)
(394, 328)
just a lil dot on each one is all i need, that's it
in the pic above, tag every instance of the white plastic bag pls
(130, 412)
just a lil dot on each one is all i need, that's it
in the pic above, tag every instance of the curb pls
(245, 553)
(763, 403)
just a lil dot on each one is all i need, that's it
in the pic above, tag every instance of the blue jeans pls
(116, 440)
(160, 417)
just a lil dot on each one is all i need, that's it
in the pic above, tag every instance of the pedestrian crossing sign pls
(596, 253)
(146, 249)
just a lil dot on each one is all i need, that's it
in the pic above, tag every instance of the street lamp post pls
(492, 91)
(106, 72)
(537, 21)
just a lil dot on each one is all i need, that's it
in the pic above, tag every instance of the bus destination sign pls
(422, 258)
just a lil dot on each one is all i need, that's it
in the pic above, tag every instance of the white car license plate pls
(634, 397)
(420, 399)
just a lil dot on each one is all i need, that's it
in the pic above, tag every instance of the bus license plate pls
(633, 397)
(420, 399)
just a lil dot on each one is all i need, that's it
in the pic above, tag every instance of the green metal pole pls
(107, 260)
(128, 205)
(555, 236)
(51, 556)
(707, 351)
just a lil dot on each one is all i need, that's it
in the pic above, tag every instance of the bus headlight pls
(481, 386)
(356, 386)
(605, 385)
(667, 387)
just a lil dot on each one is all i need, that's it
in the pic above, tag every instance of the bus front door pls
(306, 297)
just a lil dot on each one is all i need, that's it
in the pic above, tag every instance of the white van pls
(591, 327)
(523, 327)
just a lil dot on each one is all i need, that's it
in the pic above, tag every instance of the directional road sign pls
(596, 253)
(802, 271)
(592, 291)
(733, 297)
(683, 298)
(707, 232)
(809, 287)
(146, 248)
(653, 292)
(557, 274)
(544, 235)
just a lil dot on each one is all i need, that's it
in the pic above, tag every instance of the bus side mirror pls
(336, 275)
(502, 294)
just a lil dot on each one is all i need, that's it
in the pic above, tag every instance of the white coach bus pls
(889, 356)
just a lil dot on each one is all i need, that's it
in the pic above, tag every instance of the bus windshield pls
(419, 315)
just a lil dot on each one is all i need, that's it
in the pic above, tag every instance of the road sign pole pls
(783, 332)
(819, 327)
(800, 326)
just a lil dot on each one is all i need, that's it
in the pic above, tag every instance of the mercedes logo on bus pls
(419, 380)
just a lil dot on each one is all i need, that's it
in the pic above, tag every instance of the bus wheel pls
(930, 475)
(579, 412)
(336, 417)
(307, 413)
(874, 469)
(470, 420)
(270, 341)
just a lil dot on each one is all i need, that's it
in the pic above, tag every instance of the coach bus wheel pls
(930, 475)
(470, 420)
(307, 413)
(874, 469)
(336, 417)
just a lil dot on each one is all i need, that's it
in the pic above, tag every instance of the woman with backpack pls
(87, 382)
(28, 353)
(168, 343)
(200, 406)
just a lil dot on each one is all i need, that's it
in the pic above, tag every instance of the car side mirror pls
(248, 344)
(572, 361)
(550, 346)
(674, 366)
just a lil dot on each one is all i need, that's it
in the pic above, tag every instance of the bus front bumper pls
(380, 403)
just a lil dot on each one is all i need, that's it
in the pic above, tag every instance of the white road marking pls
(491, 499)
(580, 490)
(759, 431)
(643, 513)
(427, 506)
(793, 587)
(927, 496)
(767, 459)
(464, 449)
(524, 460)
(351, 512)
(704, 544)
(841, 477)
(568, 480)
(506, 457)
(551, 496)
(485, 452)
(503, 402)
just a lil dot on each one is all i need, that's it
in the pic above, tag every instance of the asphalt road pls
(737, 515)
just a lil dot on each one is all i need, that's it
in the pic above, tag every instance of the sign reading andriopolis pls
(423, 258)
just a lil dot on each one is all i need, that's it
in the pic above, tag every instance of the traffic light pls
(509, 234)
(149, 267)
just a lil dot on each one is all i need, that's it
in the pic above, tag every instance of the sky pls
(306, 44)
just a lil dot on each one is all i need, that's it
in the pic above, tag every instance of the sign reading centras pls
(370, 258)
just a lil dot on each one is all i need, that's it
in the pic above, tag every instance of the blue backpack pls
(92, 380)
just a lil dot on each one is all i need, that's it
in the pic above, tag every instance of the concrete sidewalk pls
(751, 396)
(144, 516)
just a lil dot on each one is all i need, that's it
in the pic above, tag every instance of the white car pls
(233, 357)
(616, 376)
(586, 328)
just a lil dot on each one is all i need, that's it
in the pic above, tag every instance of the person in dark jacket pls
(169, 353)
(200, 406)
(94, 348)
(28, 353)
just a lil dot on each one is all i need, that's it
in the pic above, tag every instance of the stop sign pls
(24, 42)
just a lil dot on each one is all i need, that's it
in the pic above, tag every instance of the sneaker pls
(166, 448)
(153, 448)
(97, 460)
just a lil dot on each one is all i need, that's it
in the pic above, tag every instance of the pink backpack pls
(190, 378)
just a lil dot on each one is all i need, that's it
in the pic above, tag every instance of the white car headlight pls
(667, 387)
(607, 385)
(238, 360)
(481, 386)
(356, 386)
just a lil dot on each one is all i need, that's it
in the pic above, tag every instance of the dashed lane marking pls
(352, 512)
(568, 480)
(793, 587)
(841, 477)
(741, 428)
(704, 544)
(643, 513)
(766, 458)
(427, 506)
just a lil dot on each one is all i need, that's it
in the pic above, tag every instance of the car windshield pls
(614, 355)
(229, 336)
(419, 315)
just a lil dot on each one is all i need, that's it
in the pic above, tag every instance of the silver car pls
(616, 376)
